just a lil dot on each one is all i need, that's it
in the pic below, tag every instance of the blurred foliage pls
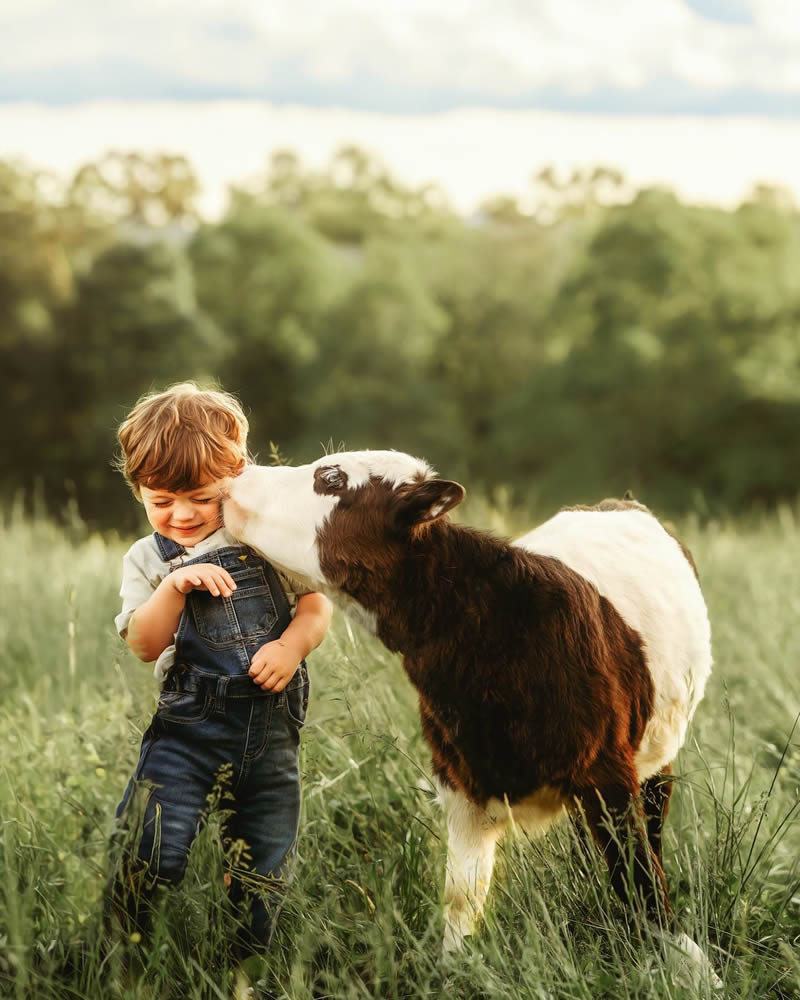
(572, 344)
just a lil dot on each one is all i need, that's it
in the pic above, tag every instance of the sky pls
(703, 95)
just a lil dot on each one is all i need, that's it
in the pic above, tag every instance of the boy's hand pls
(203, 576)
(273, 665)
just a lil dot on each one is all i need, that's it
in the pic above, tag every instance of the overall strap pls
(278, 593)
(169, 550)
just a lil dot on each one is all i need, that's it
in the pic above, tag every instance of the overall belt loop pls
(219, 695)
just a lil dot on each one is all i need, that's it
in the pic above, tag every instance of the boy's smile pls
(188, 516)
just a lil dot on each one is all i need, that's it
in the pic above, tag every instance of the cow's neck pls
(431, 599)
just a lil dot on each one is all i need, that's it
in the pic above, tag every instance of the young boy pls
(228, 635)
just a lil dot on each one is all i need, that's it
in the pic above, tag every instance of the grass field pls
(362, 916)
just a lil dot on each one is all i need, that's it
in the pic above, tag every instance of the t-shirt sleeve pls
(141, 574)
(292, 588)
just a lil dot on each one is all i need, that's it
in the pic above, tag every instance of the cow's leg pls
(619, 825)
(615, 819)
(656, 792)
(471, 839)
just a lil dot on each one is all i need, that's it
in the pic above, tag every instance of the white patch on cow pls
(394, 467)
(277, 512)
(534, 814)
(641, 570)
(472, 836)
(689, 963)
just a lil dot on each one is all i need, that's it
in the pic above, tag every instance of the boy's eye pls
(203, 499)
(161, 503)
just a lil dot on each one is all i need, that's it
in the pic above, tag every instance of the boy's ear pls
(429, 500)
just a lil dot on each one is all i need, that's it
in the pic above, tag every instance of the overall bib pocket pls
(249, 613)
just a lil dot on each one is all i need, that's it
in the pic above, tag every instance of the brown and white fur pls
(555, 673)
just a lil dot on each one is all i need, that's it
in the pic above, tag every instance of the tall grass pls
(362, 915)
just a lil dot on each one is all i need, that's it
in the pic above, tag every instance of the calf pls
(555, 673)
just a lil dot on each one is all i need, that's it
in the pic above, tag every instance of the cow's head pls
(340, 520)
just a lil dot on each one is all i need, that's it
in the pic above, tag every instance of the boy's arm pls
(308, 627)
(153, 624)
(274, 664)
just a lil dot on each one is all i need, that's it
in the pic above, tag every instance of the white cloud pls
(491, 49)
(471, 154)
(777, 20)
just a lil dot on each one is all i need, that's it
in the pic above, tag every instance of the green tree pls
(134, 325)
(353, 199)
(571, 343)
(665, 313)
(267, 279)
(37, 239)
(370, 383)
(145, 190)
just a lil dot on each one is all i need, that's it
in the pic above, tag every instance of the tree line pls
(566, 346)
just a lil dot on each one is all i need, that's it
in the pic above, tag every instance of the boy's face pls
(186, 517)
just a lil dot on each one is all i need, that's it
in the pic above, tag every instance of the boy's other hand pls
(203, 576)
(273, 665)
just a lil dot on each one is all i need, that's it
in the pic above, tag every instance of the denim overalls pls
(211, 714)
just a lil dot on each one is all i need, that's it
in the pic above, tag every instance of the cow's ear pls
(429, 500)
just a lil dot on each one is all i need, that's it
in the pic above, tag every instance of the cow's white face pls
(280, 511)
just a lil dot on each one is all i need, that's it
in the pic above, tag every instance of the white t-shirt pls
(143, 569)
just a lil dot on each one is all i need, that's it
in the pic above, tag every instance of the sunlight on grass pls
(362, 915)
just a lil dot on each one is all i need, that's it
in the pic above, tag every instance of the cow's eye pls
(330, 479)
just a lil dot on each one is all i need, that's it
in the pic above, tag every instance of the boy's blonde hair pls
(182, 438)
